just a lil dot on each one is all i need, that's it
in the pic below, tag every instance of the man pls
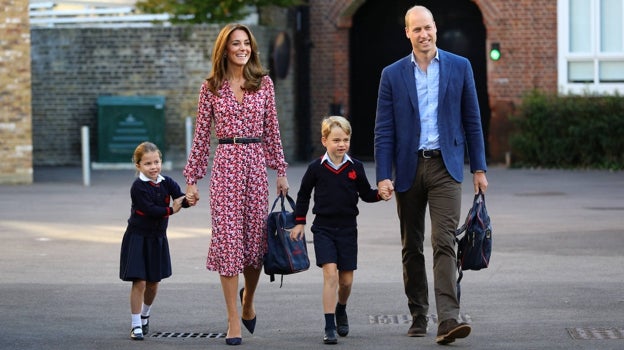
(427, 113)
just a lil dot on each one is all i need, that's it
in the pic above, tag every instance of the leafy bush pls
(555, 131)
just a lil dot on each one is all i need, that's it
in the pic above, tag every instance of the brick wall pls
(525, 29)
(527, 33)
(329, 70)
(73, 66)
(15, 96)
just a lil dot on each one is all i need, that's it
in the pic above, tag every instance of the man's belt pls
(429, 153)
(237, 140)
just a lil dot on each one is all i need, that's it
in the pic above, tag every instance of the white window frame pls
(565, 56)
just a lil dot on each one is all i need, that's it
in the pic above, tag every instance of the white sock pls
(136, 320)
(145, 312)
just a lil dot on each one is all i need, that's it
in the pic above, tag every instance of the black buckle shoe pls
(145, 327)
(136, 333)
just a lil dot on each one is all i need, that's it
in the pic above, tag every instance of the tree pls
(207, 11)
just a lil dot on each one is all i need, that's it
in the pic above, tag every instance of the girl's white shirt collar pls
(145, 178)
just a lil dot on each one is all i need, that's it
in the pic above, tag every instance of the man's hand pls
(385, 188)
(480, 181)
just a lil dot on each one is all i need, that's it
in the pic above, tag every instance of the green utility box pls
(126, 121)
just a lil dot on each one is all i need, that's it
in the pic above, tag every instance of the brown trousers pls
(432, 186)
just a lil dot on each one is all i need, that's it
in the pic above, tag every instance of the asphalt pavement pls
(556, 279)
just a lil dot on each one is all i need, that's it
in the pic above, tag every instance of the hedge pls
(553, 131)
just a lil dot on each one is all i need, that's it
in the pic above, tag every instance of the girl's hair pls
(329, 122)
(253, 70)
(145, 147)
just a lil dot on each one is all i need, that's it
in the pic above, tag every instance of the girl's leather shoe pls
(145, 327)
(136, 333)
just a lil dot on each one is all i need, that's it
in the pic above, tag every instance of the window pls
(591, 46)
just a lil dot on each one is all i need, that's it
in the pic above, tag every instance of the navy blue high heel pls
(249, 324)
(233, 341)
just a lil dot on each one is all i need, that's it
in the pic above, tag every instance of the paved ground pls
(556, 279)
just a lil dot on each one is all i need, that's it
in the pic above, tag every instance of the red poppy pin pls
(352, 175)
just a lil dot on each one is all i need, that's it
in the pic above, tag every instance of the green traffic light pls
(495, 55)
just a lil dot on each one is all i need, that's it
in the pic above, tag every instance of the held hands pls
(385, 189)
(192, 194)
(177, 204)
(297, 232)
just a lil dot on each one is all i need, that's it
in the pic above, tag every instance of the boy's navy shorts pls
(336, 245)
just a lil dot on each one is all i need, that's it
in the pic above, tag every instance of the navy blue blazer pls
(397, 124)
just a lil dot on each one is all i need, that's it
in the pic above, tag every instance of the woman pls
(238, 98)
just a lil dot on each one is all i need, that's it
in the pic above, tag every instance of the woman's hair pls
(329, 122)
(145, 147)
(253, 70)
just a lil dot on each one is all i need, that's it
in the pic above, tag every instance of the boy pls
(337, 180)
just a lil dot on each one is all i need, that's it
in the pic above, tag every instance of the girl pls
(145, 258)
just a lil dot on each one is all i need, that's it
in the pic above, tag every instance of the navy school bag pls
(474, 239)
(284, 256)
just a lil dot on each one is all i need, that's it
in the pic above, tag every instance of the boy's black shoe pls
(342, 322)
(330, 337)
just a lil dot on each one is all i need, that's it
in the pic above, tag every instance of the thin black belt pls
(236, 140)
(429, 153)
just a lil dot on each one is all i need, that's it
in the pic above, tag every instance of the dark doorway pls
(302, 78)
(377, 39)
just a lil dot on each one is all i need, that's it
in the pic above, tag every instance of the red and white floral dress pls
(238, 182)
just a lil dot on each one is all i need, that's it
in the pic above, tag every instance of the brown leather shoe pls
(418, 327)
(450, 329)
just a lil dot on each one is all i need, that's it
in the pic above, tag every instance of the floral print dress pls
(238, 184)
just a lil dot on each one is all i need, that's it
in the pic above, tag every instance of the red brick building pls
(564, 45)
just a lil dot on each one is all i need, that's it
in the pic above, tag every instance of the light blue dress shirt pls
(427, 86)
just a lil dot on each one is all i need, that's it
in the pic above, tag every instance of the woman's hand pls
(192, 194)
(282, 186)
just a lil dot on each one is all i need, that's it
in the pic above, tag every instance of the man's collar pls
(436, 57)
